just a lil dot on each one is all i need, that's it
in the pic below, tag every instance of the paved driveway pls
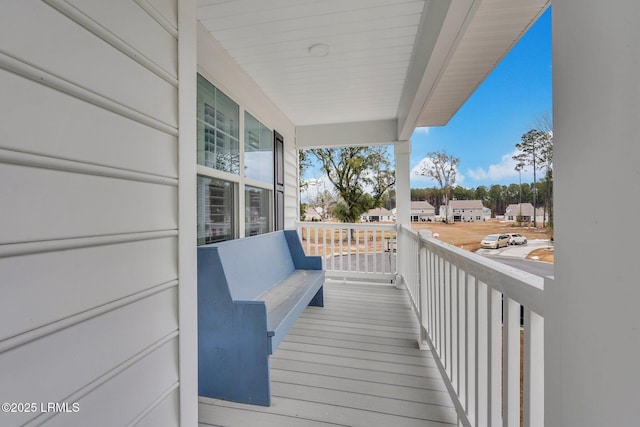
(517, 251)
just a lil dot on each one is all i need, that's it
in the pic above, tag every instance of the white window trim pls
(240, 181)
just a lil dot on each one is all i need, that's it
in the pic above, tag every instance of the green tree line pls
(496, 197)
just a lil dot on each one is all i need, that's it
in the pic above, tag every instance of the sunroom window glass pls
(258, 150)
(257, 211)
(218, 129)
(216, 220)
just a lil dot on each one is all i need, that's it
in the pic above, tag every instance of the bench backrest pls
(253, 264)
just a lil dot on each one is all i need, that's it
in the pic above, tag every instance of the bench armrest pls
(300, 260)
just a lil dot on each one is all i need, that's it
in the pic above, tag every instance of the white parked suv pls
(517, 239)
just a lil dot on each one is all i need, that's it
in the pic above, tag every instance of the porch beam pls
(454, 53)
(375, 132)
(441, 27)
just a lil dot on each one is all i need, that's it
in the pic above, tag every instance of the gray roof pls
(466, 204)
(421, 204)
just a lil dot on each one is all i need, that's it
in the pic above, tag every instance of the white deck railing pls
(483, 320)
(470, 311)
(352, 251)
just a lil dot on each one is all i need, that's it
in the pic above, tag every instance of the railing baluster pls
(455, 328)
(423, 296)
(482, 357)
(366, 258)
(533, 369)
(349, 248)
(495, 358)
(447, 317)
(437, 285)
(511, 363)
(375, 250)
(316, 240)
(358, 249)
(471, 350)
(427, 292)
(462, 337)
(394, 256)
(340, 250)
(441, 304)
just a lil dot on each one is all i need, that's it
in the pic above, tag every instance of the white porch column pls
(402, 151)
(187, 254)
(592, 320)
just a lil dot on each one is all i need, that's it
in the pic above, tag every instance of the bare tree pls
(355, 171)
(325, 201)
(443, 168)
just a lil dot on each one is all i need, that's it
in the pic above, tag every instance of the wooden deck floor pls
(354, 362)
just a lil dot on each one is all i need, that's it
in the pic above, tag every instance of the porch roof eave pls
(457, 46)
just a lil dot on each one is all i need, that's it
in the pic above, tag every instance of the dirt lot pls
(467, 235)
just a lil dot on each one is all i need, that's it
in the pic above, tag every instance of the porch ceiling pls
(408, 62)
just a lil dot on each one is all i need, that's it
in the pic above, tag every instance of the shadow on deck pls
(354, 362)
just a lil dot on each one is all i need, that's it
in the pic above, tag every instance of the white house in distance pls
(525, 211)
(123, 119)
(421, 210)
(378, 215)
(313, 214)
(465, 211)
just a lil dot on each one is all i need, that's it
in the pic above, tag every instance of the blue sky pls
(484, 131)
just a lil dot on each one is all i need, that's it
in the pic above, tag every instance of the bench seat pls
(250, 293)
(283, 302)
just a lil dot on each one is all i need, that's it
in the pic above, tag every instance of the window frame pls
(239, 181)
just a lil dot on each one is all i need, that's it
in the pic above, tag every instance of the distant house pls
(465, 211)
(486, 214)
(422, 211)
(524, 211)
(313, 214)
(378, 215)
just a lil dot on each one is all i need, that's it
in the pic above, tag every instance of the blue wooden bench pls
(250, 292)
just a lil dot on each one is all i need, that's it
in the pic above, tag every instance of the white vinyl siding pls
(89, 210)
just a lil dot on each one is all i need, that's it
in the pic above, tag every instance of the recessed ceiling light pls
(319, 50)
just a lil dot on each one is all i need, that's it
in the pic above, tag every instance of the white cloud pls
(422, 131)
(500, 171)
